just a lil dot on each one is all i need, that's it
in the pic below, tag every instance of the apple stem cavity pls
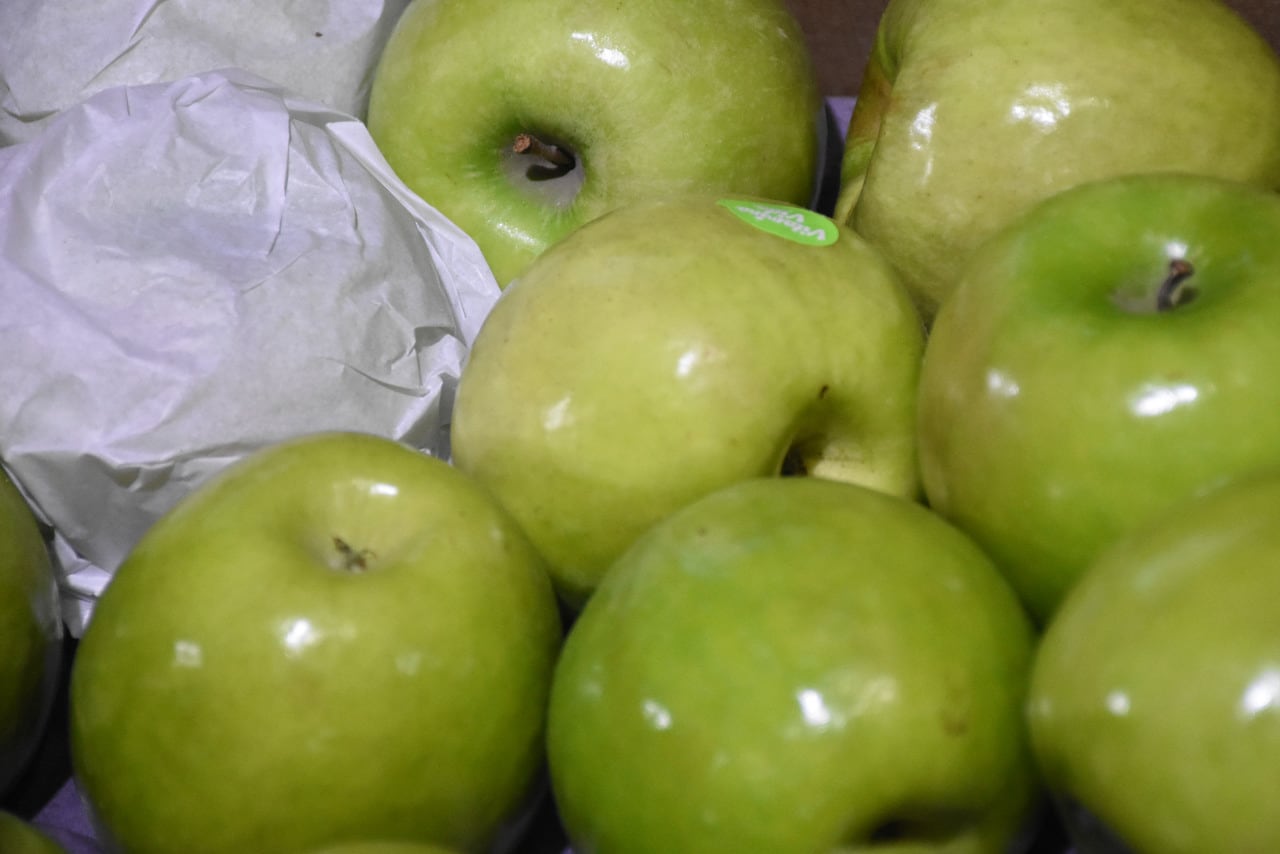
(527, 143)
(1172, 292)
(793, 464)
(351, 559)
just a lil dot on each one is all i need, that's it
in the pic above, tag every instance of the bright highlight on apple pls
(672, 347)
(626, 101)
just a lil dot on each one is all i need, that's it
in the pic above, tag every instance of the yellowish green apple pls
(971, 111)
(337, 638)
(18, 836)
(521, 121)
(30, 634)
(1109, 353)
(384, 848)
(1155, 699)
(675, 346)
(791, 664)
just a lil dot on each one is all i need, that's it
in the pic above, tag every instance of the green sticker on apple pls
(788, 221)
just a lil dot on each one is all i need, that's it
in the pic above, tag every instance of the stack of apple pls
(764, 531)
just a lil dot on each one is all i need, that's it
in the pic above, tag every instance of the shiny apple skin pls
(1155, 700)
(31, 633)
(791, 664)
(653, 97)
(1058, 409)
(972, 112)
(243, 687)
(668, 349)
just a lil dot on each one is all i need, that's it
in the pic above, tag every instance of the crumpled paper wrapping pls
(190, 271)
(54, 53)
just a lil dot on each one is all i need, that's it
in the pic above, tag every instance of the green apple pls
(30, 634)
(384, 848)
(337, 638)
(1155, 699)
(522, 121)
(1106, 355)
(21, 837)
(675, 346)
(971, 111)
(791, 664)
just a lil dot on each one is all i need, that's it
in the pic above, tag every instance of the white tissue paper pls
(190, 271)
(54, 53)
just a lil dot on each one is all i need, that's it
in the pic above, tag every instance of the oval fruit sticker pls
(793, 223)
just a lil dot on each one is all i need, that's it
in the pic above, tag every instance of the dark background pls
(841, 32)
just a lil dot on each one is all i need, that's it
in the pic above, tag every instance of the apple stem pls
(527, 143)
(350, 559)
(1172, 294)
